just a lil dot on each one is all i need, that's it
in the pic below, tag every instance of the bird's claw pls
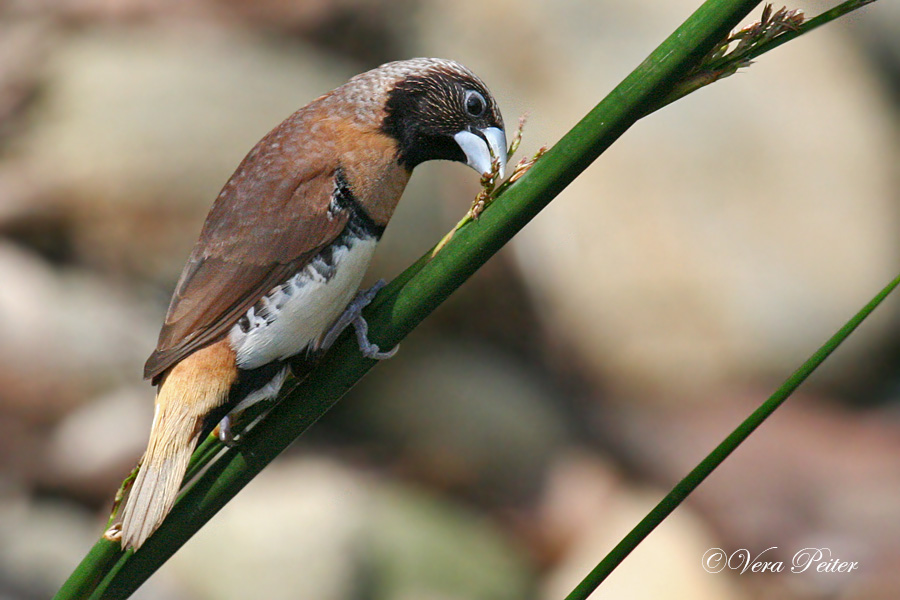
(368, 349)
(224, 432)
(352, 315)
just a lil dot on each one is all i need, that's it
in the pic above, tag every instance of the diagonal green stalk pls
(687, 485)
(107, 572)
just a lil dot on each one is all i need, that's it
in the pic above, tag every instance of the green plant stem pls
(687, 485)
(409, 298)
(404, 303)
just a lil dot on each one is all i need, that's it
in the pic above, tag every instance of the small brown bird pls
(283, 251)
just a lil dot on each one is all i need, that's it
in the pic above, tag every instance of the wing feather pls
(270, 220)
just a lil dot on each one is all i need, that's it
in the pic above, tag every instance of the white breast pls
(297, 313)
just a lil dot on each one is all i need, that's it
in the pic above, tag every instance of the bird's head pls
(439, 110)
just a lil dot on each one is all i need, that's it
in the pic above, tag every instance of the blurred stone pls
(814, 475)
(66, 336)
(22, 47)
(41, 542)
(20, 451)
(361, 29)
(93, 11)
(295, 532)
(719, 239)
(310, 528)
(369, 32)
(425, 548)
(92, 450)
(876, 28)
(18, 198)
(588, 509)
(461, 415)
(139, 128)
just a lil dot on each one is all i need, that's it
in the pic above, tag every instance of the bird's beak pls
(482, 146)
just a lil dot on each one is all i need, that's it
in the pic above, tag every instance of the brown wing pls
(270, 220)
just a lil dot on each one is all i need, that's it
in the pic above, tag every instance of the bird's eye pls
(475, 103)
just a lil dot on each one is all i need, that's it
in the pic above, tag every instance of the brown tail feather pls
(194, 387)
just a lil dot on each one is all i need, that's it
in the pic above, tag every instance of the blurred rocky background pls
(538, 415)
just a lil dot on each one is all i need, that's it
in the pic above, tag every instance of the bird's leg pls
(224, 432)
(352, 315)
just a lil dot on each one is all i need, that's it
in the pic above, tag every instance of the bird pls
(276, 272)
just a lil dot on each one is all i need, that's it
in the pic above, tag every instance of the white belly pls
(297, 314)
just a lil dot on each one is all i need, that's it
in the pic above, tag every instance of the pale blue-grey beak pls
(481, 146)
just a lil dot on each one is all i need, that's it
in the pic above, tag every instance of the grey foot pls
(353, 316)
(225, 434)
(368, 349)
